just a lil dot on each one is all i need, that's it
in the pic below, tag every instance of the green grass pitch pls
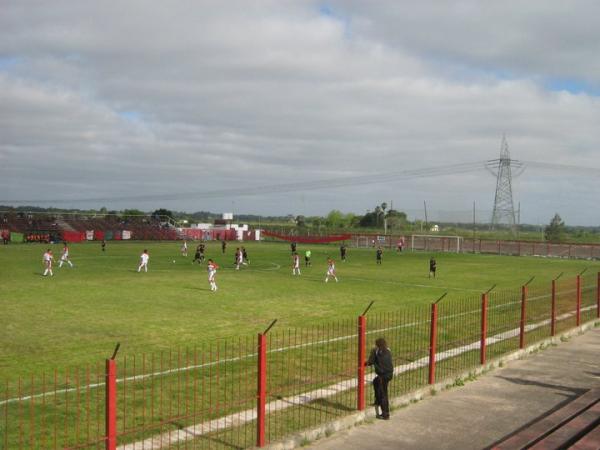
(77, 316)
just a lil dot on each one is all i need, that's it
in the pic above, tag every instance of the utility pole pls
(473, 224)
(504, 209)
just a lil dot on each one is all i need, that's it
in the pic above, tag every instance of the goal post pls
(428, 242)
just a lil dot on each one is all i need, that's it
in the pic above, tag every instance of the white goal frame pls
(455, 243)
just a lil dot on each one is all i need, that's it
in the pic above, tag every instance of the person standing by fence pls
(381, 360)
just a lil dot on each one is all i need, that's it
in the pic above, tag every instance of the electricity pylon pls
(502, 168)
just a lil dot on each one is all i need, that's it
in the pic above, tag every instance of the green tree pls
(133, 212)
(350, 220)
(317, 222)
(335, 219)
(369, 220)
(555, 232)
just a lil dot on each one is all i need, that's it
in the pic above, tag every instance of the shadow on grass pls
(320, 405)
(195, 288)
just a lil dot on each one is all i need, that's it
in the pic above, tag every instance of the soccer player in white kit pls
(239, 259)
(184, 249)
(330, 270)
(296, 264)
(65, 256)
(212, 271)
(47, 259)
(144, 257)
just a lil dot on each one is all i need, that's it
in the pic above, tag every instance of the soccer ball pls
(173, 261)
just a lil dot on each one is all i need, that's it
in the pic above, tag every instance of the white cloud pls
(118, 99)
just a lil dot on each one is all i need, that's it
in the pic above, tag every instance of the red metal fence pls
(247, 391)
(530, 248)
(434, 243)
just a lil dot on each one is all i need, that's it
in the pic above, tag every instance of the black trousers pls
(380, 386)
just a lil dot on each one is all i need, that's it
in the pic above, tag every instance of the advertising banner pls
(73, 236)
(89, 235)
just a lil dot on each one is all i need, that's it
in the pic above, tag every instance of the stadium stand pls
(575, 425)
(46, 228)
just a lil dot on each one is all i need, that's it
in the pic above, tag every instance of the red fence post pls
(598, 297)
(482, 346)
(362, 353)
(523, 316)
(261, 394)
(553, 311)
(111, 404)
(432, 342)
(578, 315)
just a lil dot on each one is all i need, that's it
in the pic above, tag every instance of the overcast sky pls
(102, 102)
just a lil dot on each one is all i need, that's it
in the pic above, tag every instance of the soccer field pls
(77, 316)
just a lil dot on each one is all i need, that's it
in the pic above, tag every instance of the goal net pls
(434, 243)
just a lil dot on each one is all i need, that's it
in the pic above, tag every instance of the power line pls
(309, 185)
(359, 180)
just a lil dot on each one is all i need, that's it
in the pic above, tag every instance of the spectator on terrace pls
(381, 360)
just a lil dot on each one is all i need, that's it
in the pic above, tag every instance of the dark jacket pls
(381, 360)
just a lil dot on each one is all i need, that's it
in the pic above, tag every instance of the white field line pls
(243, 417)
(252, 355)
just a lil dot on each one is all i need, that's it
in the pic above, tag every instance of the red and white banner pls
(126, 234)
(89, 235)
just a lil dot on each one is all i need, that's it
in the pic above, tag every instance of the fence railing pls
(247, 391)
(433, 243)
